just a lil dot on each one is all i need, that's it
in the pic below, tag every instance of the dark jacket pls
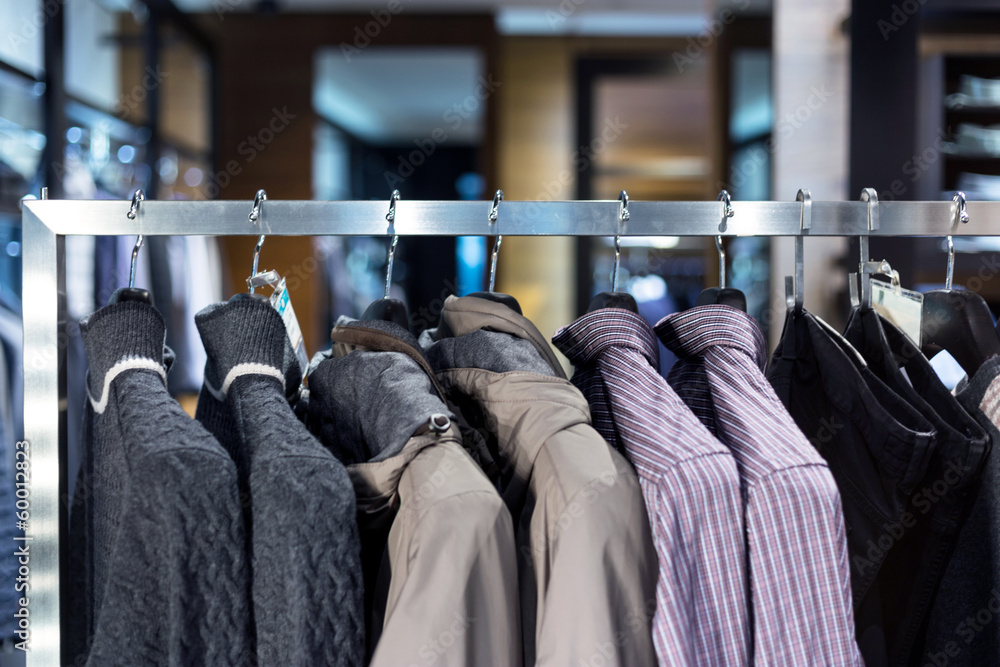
(165, 568)
(879, 449)
(964, 626)
(913, 570)
(299, 507)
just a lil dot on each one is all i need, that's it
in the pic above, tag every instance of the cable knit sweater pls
(165, 567)
(307, 586)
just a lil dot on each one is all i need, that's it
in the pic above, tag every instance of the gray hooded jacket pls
(437, 539)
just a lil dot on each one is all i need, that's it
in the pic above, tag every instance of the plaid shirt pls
(690, 485)
(799, 574)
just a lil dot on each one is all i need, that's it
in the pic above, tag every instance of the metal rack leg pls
(44, 420)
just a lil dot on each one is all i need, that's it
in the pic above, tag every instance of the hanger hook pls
(961, 215)
(962, 211)
(391, 218)
(805, 223)
(727, 203)
(494, 214)
(388, 266)
(391, 215)
(727, 209)
(722, 260)
(258, 200)
(951, 263)
(869, 196)
(255, 212)
(623, 212)
(623, 216)
(137, 198)
(495, 210)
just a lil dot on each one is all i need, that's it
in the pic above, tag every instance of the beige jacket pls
(586, 559)
(445, 593)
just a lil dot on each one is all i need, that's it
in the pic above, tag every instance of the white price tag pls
(900, 306)
(283, 304)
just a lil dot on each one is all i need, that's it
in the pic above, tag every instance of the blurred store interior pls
(448, 100)
(442, 99)
(455, 99)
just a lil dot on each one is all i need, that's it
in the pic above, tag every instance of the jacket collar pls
(465, 314)
(350, 334)
(586, 339)
(693, 331)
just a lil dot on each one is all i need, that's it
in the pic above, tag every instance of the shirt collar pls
(586, 338)
(693, 331)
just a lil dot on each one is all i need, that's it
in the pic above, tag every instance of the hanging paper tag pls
(900, 306)
(283, 304)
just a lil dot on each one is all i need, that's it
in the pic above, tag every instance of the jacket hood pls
(494, 338)
(372, 392)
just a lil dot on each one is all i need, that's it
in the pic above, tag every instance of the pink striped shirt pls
(798, 562)
(690, 484)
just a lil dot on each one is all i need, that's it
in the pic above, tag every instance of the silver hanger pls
(623, 216)
(254, 217)
(391, 219)
(961, 215)
(795, 286)
(727, 212)
(137, 198)
(861, 296)
(494, 214)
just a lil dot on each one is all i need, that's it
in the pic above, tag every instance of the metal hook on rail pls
(255, 217)
(494, 215)
(137, 198)
(623, 216)
(961, 215)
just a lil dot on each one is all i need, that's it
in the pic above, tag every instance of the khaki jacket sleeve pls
(451, 599)
(586, 559)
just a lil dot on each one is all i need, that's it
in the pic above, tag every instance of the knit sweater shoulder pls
(306, 580)
(165, 544)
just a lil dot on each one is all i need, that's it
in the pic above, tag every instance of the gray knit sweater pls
(164, 543)
(307, 586)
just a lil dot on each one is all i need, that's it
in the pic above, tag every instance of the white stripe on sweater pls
(240, 370)
(133, 363)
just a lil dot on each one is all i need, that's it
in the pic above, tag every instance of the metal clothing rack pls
(47, 222)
